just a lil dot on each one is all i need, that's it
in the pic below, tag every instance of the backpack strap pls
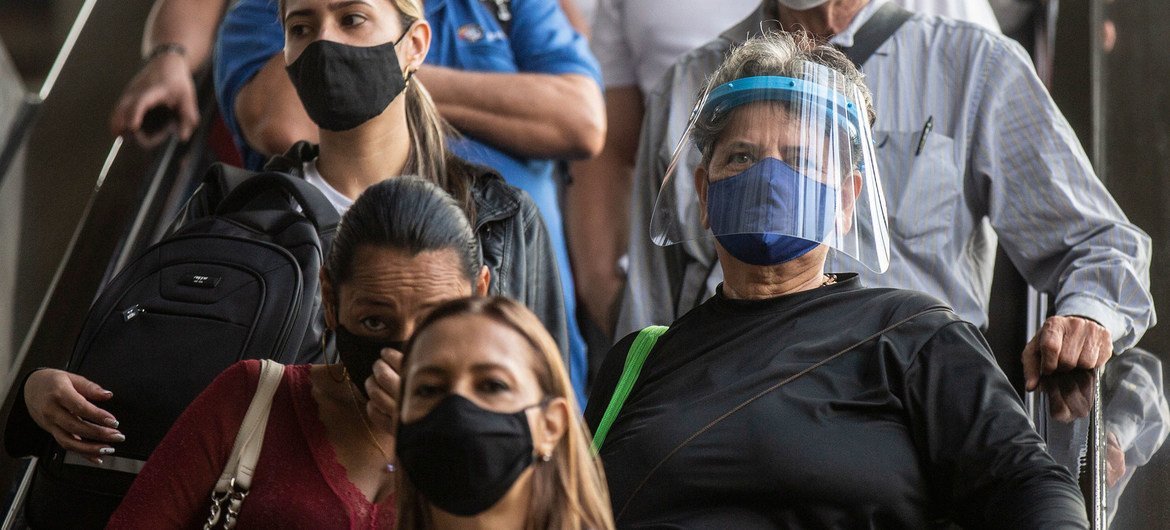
(312, 202)
(219, 181)
(639, 350)
(227, 177)
(875, 32)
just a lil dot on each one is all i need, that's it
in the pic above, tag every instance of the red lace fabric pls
(298, 481)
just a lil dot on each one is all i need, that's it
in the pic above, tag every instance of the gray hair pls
(776, 53)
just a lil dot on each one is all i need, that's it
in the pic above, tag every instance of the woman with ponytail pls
(353, 67)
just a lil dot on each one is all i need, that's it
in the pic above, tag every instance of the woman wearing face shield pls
(404, 248)
(490, 434)
(796, 397)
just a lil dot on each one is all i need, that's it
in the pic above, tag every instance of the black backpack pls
(240, 283)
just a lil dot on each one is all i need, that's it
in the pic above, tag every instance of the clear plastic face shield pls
(773, 167)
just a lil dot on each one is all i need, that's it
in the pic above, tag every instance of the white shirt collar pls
(336, 198)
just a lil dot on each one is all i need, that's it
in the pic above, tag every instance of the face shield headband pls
(837, 107)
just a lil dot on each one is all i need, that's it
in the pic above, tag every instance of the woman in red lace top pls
(403, 248)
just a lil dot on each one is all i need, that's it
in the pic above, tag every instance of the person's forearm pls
(597, 207)
(188, 23)
(530, 115)
(597, 219)
(576, 17)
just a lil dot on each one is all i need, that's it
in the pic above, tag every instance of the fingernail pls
(106, 451)
(112, 423)
(96, 460)
(119, 437)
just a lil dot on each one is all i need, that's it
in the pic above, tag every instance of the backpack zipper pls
(129, 313)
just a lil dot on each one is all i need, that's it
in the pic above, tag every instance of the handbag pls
(233, 484)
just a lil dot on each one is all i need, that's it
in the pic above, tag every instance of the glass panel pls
(1135, 62)
(12, 94)
(1065, 409)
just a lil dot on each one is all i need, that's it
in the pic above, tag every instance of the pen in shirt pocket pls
(926, 128)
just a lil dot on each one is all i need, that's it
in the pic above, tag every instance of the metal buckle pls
(232, 499)
(235, 500)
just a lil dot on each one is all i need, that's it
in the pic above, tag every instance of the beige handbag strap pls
(233, 484)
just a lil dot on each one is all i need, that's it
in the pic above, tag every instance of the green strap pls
(634, 361)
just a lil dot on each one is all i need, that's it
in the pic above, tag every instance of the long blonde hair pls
(568, 492)
(429, 156)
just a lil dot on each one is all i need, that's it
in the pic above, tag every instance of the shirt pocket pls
(922, 185)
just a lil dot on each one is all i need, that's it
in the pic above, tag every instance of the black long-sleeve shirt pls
(913, 428)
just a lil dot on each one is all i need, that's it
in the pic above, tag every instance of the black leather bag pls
(241, 283)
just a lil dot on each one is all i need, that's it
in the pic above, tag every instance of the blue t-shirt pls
(464, 35)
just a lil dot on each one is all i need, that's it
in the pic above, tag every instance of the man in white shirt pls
(636, 41)
(970, 144)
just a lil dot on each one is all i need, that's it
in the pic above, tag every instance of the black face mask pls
(464, 458)
(359, 353)
(343, 86)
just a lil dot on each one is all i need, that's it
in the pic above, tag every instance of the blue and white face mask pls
(770, 213)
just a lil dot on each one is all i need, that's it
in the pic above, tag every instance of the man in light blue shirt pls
(970, 148)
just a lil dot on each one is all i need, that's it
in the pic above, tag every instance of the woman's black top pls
(913, 426)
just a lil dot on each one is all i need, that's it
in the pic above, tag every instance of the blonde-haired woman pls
(349, 66)
(353, 67)
(490, 433)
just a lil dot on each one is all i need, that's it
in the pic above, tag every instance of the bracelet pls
(164, 48)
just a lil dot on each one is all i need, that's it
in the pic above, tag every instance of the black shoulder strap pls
(222, 179)
(883, 24)
(312, 202)
(219, 181)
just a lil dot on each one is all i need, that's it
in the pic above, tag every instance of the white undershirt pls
(336, 198)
